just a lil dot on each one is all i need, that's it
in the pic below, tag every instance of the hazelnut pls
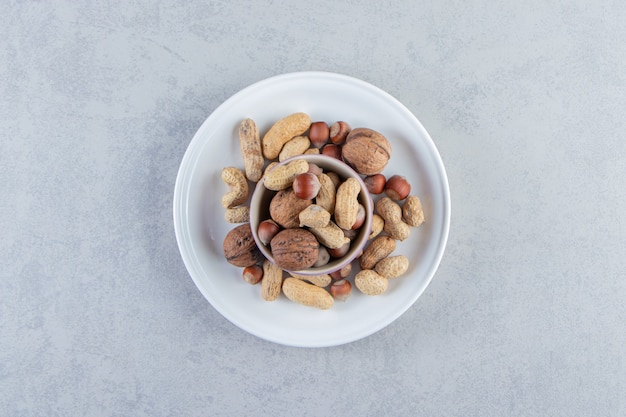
(342, 273)
(375, 183)
(341, 290)
(318, 134)
(332, 150)
(360, 217)
(252, 274)
(336, 275)
(267, 230)
(306, 186)
(338, 132)
(397, 187)
(340, 251)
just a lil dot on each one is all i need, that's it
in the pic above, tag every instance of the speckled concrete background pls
(525, 101)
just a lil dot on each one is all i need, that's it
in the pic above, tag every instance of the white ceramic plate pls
(199, 216)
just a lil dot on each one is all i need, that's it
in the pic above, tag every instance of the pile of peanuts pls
(367, 152)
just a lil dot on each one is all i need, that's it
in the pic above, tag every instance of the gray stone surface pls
(525, 101)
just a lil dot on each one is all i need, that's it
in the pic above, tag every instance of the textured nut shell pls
(239, 214)
(240, 249)
(269, 167)
(377, 226)
(370, 282)
(412, 211)
(285, 208)
(399, 231)
(250, 145)
(330, 235)
(236, 180)
(327, 193)
(391, 212)
(294, 146)
(281, 177)
(378, 249)
(347, 203)
(314, 216)
(319, 280)
(334, 177)
(282, 131)
(307, 294)
(272, 281)
(392, 266)
(294, 249)
(367, 151)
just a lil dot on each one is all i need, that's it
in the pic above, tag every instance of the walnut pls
(285, 208)
(240, 248)
(294, 249)
(367, 151)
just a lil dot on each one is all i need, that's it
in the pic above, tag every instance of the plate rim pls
(178, 208)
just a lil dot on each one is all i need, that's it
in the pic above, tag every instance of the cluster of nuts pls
(314, 215)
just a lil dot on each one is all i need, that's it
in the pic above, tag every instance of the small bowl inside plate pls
(259, 211)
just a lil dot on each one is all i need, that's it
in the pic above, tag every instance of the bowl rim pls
(357, 244)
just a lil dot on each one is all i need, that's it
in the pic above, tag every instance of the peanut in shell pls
(327, 194)
(330, 235)
(282, 131)
(378, 249)
(370, 282)
(238, 187)
(250, 145)
(307, 294)
(347, 203)
(412, 211)
(272, 281)
(319, 280)
(392, 266)
(293, 147)
(282, 176)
